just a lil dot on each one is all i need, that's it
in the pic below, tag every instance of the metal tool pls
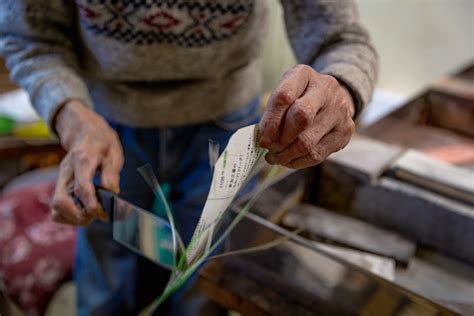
(137, 229)
(151, 237)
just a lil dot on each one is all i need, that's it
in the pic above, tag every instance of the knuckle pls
(303, 68)
(118, 156)
(115, 136)
(55, 215)
(348, 128)
(352, 127)
(283, 97)
(80, 155)
(120, 160)
(75, 152)
(58, 203)
(83, 158)
(271, 125)
(288, 72)
(291, 71)
(346, 105)
(81, 189)
(65, 163)
(300, 117)
(303, 144)
(316, 156)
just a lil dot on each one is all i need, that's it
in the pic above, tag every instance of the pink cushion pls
(36, 254)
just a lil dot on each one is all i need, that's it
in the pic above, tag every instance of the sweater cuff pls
(356, 81)
(50, 95)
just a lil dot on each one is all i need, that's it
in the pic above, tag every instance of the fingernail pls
(102, 214)
(105, 218)
(112, 187)
(115, 189)
(82, 218)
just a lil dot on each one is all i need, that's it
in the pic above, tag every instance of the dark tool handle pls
(105, 197)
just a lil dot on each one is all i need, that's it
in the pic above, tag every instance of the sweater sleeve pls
(36, 38)
(328, 35)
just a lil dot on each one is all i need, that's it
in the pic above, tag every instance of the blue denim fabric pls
(111, 279)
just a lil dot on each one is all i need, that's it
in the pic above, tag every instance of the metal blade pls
(143, 232)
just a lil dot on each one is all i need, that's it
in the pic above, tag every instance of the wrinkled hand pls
(308, 117)
(91, 145)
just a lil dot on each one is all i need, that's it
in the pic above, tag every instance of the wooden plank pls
(466, 72)
(440, 117)
(322, 224)
(417, 168)
(225, 297)
(405, 134)
(382, 266)
(456, 154)
(451, 112)
(425, 217)
(365, 157)
(244, 286)
(455, 86)
(449, 282)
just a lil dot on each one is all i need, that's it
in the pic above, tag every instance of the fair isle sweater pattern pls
(166, 63)
(183, 23)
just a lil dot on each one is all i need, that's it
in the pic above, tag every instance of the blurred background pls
(423, 101)
(417, 40)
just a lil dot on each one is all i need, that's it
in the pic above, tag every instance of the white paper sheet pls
(231, 171)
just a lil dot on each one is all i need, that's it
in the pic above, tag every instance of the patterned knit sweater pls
(159, 63)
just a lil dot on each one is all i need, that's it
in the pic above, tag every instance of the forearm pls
(354, 62)
(40, 56)
(328, 36)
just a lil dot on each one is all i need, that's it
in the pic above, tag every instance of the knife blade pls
(137, 229)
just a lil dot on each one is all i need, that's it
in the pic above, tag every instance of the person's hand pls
(91, 145)
(308, 117)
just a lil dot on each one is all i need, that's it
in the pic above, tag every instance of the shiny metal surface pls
(294, 278)
(305, 278)
(302, 279)
(143, 232)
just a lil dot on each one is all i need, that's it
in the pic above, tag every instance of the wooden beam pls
(455, 86)
(209, 283)
(366, 158)
(437, 176)
(427, 218)
(325, 225)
